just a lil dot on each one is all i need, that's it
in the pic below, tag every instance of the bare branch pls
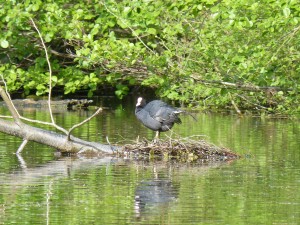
(50, 79)
(11, 107)
(244, 98)
(235, 106)
(7, 100)
(69, 56)
(22, 146)
(239, 86)
(131, 29)
(38, 121)
(52, 139)
(50, 69)
(21, 161)
(287, 39)
(8, 117)
(83, 122)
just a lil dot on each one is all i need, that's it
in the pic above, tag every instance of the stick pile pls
(186, 149)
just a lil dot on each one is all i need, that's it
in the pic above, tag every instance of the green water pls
(260, 188)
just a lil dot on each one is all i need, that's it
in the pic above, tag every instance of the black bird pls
(157, 115)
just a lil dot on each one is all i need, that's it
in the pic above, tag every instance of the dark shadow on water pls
(154, 196)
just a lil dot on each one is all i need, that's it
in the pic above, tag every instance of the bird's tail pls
(187, 113)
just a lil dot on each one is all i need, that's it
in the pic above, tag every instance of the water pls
(260, 188)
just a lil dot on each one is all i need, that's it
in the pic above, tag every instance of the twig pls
(111, 147)
(9, 117)
(288, 38)
(21, 161)
(50, 79)
(8, 95)
(49, 66)
(132, 30)
(81, 123)
(40, 122)
(11, 107)
(238, 86)
(235, 106)
(243, 97)
(16, 111)
(22, 146)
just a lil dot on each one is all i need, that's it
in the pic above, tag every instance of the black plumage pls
(157, 115)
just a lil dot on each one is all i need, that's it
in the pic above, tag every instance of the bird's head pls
(140, 102)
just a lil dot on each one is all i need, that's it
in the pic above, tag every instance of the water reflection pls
(54, 169)
(39, 188)
(154, 196)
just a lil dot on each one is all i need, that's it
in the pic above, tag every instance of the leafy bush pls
(206, 53)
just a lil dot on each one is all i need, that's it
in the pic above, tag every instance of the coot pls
(157, 115)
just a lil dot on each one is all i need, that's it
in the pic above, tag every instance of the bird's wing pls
(161, 111)
(166, 113)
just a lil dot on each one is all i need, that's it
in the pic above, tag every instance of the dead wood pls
(63, 143)
(186, 149)
(43, 104)
(55, 140)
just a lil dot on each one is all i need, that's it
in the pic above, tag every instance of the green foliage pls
(183, 49)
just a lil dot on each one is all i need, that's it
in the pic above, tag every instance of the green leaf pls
(122, 24)
(35, 7)
(280, 93)
(54, 79)
(151, 31)
(286, 12)
(40, 87)
(111, 23)
(90, 94)
(126, 9)
(48, 37)
(4, 44)
(132, 81)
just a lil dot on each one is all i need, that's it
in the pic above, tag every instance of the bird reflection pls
(154, 196)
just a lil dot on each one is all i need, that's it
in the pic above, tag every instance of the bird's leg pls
(156, 138)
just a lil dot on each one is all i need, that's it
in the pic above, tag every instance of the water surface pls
(260, 188)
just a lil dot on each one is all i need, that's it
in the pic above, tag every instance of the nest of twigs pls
(184, 149)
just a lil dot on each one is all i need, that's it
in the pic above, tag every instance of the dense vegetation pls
(212, 54)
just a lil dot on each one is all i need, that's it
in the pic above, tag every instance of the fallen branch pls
(50, 79)
(63, 143)
(235, 106)
(22, 146)
(83, 122)
(53, 139)
(60, 142)
(10, 106)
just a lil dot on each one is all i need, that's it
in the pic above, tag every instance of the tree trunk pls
(52, 139)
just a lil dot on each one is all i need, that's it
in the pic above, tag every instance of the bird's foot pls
(156, 141)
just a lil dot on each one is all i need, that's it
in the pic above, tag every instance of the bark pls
(53, 139)
(64, 143)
